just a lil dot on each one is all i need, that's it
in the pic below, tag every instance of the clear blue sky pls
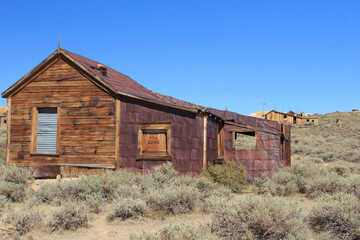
(298, 55)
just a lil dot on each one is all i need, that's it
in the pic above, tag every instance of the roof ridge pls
(124, 83)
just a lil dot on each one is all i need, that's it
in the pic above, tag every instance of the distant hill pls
(258, 114)
(329, 141)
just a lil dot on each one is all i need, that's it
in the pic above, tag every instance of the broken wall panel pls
(266, 158)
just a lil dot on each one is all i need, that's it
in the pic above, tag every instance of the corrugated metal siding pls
(47, 128)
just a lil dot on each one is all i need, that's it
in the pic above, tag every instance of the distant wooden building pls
(3, 114)
(291, 118)
(71, 114)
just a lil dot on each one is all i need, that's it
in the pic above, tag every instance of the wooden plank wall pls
(87, 127)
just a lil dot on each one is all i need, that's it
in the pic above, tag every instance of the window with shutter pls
(45, 129)
(154, 141)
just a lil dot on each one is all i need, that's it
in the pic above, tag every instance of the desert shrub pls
(12, 191)
(285, 182)
(325, 236)
(354, 186)
(173, 199)
(353, 167)
(23, 220)
(229, 174)
(208, 194)
(219, 195)
(70, 217)
(71, 190)
(125, 208)
(343, 171)
(94, 202)
(205, 186)
(48, 192)
(128, 192)
(338, 214)
(175, 232)
(3, 203)
(326, 184)
(259, 217)
(308, 180)
(16, 174)
(163, 173)
(107, 187)
(14, 181)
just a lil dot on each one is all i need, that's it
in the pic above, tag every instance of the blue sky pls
(291, 55)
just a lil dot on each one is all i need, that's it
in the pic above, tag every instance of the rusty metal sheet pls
(46, 171)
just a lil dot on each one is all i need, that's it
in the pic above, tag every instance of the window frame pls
(235, 131)
(220, 142)
(162, 127)
(34, 129)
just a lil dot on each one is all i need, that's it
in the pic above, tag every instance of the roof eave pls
(62, 54)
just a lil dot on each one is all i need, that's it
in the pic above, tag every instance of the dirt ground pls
(101, 228)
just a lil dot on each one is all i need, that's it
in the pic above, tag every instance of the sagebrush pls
(229, 174)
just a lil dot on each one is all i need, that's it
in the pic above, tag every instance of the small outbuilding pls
(291, 118)
(71, 115)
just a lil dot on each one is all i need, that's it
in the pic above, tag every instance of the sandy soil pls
(100, 228)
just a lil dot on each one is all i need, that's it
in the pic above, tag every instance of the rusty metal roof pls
(121, 84)
(125, 84)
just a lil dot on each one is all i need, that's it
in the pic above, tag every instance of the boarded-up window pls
(154, 140)
(244, 140)
(46, 130)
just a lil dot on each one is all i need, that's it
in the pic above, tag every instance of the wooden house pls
(71, 115)
(291, 118)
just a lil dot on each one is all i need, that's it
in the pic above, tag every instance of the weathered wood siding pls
(279, 117)
(186, 136)
(274, 116)
(87, 125)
